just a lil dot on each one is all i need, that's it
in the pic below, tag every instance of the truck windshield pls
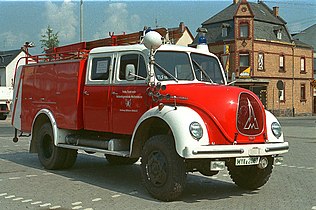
(173, 66)
(207, 68)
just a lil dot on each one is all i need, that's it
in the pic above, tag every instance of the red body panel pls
(57, 88)
(218, 105)
(114, 109)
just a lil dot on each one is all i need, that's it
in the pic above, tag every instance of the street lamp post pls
(81, 20)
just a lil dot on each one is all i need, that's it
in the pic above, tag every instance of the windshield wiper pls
(167, 73)
(202, 70)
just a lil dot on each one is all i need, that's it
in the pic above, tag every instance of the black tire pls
(163, 170)
(250, 177)
(3, 116)
(117, 160)
(70, 159)
(50, 156)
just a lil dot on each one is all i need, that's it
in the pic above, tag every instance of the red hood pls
(230, 113)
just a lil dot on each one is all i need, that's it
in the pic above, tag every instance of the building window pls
(282, 93)
(303, 92)
(224, 32)
(244, 60)
(244, 30)
(303, 69)
(281, 63)
(279, 34)
(261, 61)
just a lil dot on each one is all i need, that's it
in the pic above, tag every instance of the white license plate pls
(246, 161)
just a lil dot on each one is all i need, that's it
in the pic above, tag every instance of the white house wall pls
(10, 70)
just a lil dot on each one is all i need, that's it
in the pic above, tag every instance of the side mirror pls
(130, 72)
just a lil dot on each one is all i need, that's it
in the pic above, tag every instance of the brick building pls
(258, 51)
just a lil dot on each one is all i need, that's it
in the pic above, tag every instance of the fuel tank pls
(231, 114)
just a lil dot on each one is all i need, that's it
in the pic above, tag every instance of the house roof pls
(6, 57)
(266, 24)
(260, 10)
(307, 36)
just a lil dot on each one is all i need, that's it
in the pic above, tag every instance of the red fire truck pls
(171, 106)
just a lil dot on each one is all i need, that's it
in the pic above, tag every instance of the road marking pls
(96, 199)
(2, 194)
(77, 207)
(45, 205)
(31, 175)
(37, 202)
(18, 199)
(0, 180)
(310, 168)
(314, 207)
(47, 173)
(55, 207)
(26, 201)
(76, 203)
(10, 196)
(115, 196)
(292, 166)
(88, 209)
(14, 178)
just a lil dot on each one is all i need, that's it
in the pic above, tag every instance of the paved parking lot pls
(94, 184)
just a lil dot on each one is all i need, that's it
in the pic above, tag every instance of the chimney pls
(182, 27)
(276, 11)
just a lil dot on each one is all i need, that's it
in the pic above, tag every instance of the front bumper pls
(230, 151)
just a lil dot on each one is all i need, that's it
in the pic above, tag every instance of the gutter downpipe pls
(293, 109)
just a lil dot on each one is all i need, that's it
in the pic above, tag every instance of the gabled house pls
(308, 36)
(259, 53)
(8, 61)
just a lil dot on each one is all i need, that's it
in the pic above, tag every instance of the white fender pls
(179, 120)
(270, 118)
(59, 134)
(16, 100)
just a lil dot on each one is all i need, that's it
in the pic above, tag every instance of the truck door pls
(129, 98)
(96, 107)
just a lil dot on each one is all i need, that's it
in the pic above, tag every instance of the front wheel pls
(250, 177)
(163, 170)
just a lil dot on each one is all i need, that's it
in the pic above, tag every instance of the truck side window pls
(139, 63)
(100, 68)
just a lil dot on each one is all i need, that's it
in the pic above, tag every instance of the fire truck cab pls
(171, 106)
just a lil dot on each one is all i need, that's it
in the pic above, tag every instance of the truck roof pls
(141, 47)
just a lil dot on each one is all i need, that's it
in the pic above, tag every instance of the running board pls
(91, 149)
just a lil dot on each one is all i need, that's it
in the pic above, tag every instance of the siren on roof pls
(202, 43)
(152, 40)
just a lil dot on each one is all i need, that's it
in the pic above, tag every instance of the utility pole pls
(81, 20)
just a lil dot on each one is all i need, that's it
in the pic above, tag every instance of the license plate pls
(246, 161)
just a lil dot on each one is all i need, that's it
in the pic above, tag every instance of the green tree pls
(49, 39)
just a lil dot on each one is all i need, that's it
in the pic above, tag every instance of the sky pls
(24, 20)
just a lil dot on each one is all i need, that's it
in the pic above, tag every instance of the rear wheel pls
(250, 177)
(3, 116)
(163, 170)
(117, 160)
(50, 156)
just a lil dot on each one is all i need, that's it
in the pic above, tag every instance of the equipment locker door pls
(96, 108)
(129, 98)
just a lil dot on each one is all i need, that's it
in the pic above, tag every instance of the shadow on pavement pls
(127, 179)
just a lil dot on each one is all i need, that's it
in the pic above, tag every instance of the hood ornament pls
(252, 122)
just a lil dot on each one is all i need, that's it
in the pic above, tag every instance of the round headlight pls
(276, 129)
(196, 130)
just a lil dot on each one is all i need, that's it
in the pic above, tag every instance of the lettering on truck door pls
(129, 98)
(96, 108)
